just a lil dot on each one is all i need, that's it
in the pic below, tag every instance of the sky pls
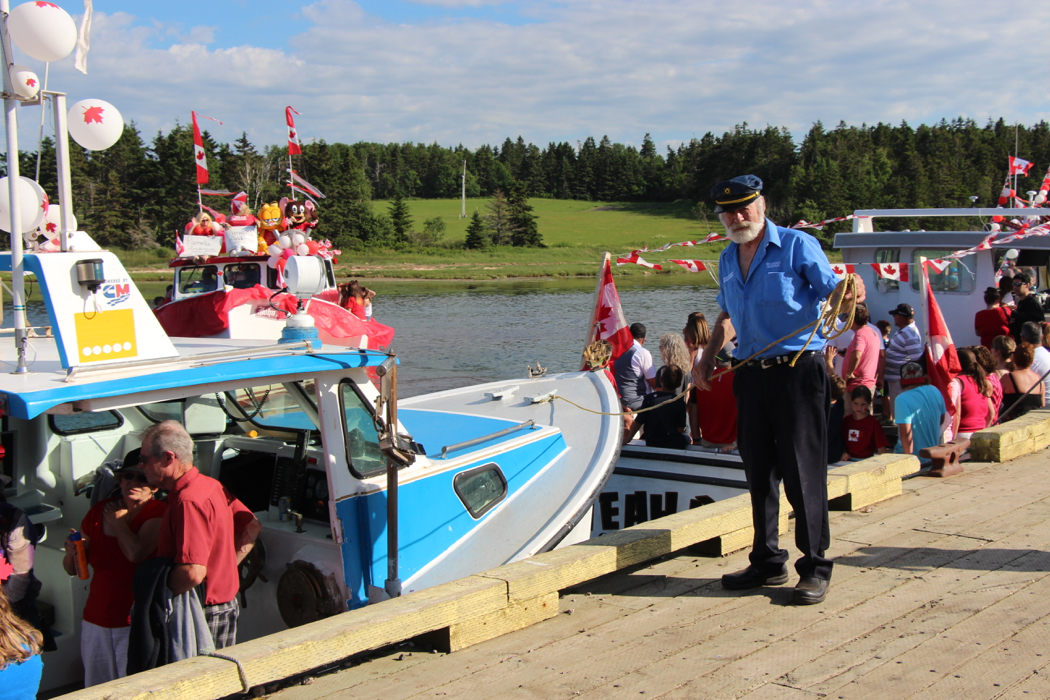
(473, 72)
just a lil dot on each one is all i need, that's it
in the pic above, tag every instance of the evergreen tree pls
(400, 218)
(476, 238)
(497, 221)
(523, 228)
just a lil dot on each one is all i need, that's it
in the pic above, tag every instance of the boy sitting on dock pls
(862, 434)
(664, 425)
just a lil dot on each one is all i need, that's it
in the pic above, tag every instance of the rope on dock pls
(240, 669)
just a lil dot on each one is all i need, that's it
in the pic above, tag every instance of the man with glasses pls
(772, 282)
(1028, 307)
(205, 529)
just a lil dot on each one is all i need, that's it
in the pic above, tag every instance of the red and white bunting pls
(986, 244)
(199, 159)
(712, 237)
(820, 226)
(938, 266)
(891, 271)
(293, 137)
(1019, 166)
(691, 265)
(842, 269)
(304, 185)
(637, 260)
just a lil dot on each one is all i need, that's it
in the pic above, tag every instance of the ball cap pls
(912, 373)
(904, 310)
(730, 195)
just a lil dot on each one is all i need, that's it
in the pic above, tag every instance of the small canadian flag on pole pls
(891, 271)
(199, 159)
(1019, 166)
(293, 136)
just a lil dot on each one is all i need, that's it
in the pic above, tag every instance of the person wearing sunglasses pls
(118, 534)
(1028, 308)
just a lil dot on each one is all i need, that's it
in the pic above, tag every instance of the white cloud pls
(674, 68)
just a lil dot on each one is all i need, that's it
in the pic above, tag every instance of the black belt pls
(767, 362)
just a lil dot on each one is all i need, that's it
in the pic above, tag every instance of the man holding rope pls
(772, 281)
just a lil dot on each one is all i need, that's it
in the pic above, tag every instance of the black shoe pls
(754, 577)
(810, 591)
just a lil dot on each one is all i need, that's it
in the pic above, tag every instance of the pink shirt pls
(868, 342)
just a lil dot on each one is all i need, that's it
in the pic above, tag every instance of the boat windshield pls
(289, 406)
(197, 279)
(362, 438)
(957, 277)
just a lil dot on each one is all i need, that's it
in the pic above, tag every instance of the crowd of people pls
(161, 544)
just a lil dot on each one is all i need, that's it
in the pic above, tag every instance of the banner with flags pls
(293, 137)
(891, 271)
(637, 260)
(842, 269)
(942, 361)
(1019, 166)
(608, 321)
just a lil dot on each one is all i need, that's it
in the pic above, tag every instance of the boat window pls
(362, 438)
(956, 278)
(271, 278)
(887, 255)
(198, 279)
(241, 275)
(481, 488)
(165, 410)
(329, 273)
(86, 422)
(274, 406)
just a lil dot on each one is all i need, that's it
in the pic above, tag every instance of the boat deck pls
(941, 592)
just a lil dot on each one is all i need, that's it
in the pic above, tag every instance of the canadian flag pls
(891, 271)
(608, 322)
(1019, 166)
(842, 270)
(179, 248)
(691, 265)
(199, 158)
(637, 260)
(942, 362)
(293, 137)
(938, 266)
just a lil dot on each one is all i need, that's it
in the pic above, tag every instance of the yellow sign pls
(106, 335)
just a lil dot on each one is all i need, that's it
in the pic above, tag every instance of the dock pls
(940, 592)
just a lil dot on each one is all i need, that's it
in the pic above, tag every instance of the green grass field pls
(576, 234)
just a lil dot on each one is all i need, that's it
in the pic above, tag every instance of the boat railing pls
(485, 438)
(862, 224)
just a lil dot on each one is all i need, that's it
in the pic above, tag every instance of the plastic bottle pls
(80, 560)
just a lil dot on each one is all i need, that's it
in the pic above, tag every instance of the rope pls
(240, 669)
(826, 321)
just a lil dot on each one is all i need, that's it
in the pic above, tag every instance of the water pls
(457, 334)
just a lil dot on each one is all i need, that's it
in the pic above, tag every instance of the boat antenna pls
(43, 116)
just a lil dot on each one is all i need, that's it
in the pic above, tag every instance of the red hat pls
(239, 203)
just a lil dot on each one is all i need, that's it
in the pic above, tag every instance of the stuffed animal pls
(270, 223)
(299, 215)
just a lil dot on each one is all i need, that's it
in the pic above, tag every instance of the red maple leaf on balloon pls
(31, 82)
(51, 228)
(41, 3)
(93, 114)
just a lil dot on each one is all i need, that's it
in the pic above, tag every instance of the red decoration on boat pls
(93, 115)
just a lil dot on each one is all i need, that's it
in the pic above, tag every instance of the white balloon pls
(272, 262)
(95, 124)
(1012, 254)
(24, 82)
(995, 227)
(298, 239)
(284, 242)
(301, 249)
(53, 222)
(43, 30)
(1040, 198)
(274, 250)
(32, 204)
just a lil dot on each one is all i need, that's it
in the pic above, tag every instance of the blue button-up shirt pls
(789, 276)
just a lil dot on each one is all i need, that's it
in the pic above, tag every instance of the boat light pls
(304, 276)
(90, 274)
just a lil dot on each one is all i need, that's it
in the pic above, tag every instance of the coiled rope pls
(845, 302)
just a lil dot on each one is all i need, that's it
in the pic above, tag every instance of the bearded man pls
(772, 281)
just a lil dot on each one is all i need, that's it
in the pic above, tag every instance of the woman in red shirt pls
(992, 321)
(118, 534)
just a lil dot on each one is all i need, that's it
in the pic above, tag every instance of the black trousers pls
(782, 436)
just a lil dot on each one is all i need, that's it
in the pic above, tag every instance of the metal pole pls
(463, 209)
(393, 583)
(18, 290)
(65, 184)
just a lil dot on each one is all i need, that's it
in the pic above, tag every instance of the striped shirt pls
(905, 346)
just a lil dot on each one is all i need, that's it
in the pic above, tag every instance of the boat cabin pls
(194, 277)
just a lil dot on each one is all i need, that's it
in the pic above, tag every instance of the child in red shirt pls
(862, 434)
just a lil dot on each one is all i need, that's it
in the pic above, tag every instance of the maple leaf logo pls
(41, 3)
(837, 270)
(50, 228)
(889, 270)
(291, 133)
(200, 155)
(93, 115)
(31, 82)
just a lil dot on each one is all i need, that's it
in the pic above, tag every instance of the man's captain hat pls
(737, 193)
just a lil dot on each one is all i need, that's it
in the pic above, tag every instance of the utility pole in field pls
(463, 209)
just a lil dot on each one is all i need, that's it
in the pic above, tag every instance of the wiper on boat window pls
(287, 406)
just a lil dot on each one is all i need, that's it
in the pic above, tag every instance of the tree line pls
(137, 194)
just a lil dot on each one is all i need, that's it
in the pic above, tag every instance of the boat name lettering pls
(641, 507)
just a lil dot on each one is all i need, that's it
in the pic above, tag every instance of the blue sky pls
(477, 71)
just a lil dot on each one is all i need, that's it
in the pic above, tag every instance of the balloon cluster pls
(291, 243)
(46, 32)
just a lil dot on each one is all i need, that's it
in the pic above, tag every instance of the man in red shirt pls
(205, 529)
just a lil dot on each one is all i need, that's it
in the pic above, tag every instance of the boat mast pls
(18, 290)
